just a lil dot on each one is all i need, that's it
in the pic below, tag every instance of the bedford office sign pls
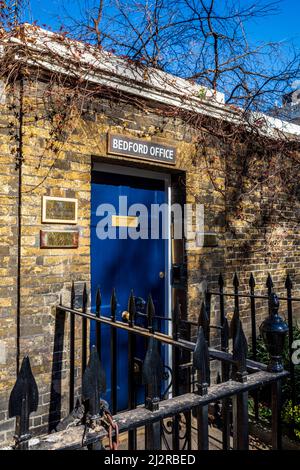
(141, 149)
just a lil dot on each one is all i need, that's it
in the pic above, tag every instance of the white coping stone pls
(112, 71)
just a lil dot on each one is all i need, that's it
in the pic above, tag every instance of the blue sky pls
(283, 26)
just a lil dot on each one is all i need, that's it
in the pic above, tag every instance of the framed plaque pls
(59, 210)
(59, 239)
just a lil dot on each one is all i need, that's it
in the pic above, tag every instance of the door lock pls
(161, 275)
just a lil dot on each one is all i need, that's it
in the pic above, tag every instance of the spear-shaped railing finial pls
(203, 320)
(201, 362)
(152, 372)
(236, 281)
(239, 355)
(269, 284)
(150, 311)
(72, 300)
(93, 384)
(288, 282)
(98, 302)
(131, 309)
(113, 305)
(251, 281)
(84, 298)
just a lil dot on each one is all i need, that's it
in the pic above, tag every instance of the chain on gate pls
(103, 420)
(112, 430)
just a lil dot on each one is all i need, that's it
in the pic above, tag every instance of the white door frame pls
(133, 171)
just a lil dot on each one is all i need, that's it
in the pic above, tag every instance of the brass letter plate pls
(124, 221)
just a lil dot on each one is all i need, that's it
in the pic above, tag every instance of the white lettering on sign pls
(120, 144)
(125, 146)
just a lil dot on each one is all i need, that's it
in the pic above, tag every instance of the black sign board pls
(141, 149)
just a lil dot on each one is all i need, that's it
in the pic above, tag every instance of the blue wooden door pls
(125, 264)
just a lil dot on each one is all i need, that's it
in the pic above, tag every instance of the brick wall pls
(47, 274)
(263, 224)
(8, 256)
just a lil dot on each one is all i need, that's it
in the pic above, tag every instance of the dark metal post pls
(240, 424)
(234, 323)
(239, 355)
(225, 367)
(150, 311)
(276, 416)
(289, 286)
(132, 439)
(253, 338)
(236, 284)
(221, 290)
(98, 324)
(152, 376)
(153, 436)
(84, 330)
(203, 320)
(253, 315)
(175, 371)
(23, 400)
(113, 353)
(225, 340)
(240, 401)
(270, 286)
(274, 330)
(72, 351)
(93, 385)
(201, 365)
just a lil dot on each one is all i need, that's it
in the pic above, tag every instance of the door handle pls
(125, 316)
(161, 275)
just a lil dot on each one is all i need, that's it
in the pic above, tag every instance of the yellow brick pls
(5, 302)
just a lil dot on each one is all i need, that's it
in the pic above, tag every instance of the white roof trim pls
(42, 41)
(103, 68)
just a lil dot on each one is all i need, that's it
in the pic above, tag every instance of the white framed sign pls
(59, 210)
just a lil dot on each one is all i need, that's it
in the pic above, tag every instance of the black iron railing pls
(234, 295)
(189, 393)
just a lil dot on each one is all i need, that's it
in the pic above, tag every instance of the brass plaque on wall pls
(59, 239)
(59, 210)
(141, 149)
